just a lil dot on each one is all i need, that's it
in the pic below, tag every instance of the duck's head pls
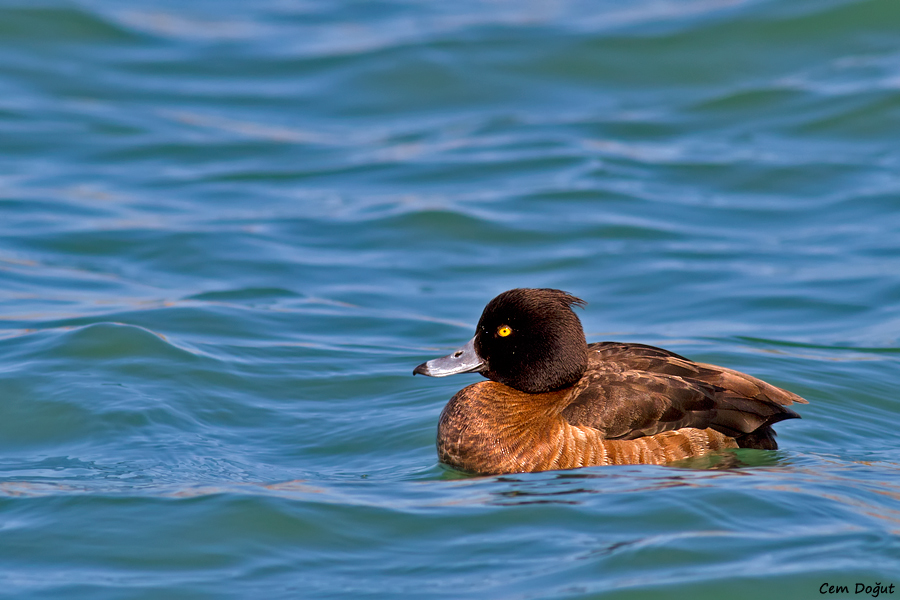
(528, 339)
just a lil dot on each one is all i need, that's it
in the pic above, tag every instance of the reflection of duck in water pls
(555, 402)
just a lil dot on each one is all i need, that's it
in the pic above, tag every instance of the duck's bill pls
(464, 360)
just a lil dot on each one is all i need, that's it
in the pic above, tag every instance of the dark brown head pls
(528, 339)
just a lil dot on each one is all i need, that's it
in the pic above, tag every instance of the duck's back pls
(632, 390)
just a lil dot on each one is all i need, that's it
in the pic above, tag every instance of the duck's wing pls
(632, 390)
(616, 356)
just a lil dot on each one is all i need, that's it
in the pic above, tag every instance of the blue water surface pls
(229, 231)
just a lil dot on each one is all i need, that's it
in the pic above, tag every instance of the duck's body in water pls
(555, 402)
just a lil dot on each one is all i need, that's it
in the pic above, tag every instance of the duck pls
(552, 401)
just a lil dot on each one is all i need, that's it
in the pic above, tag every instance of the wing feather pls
(633, 390)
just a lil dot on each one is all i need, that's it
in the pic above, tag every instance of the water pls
(229, 231)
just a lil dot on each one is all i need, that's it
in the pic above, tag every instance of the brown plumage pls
(557, 403)
(491, 428)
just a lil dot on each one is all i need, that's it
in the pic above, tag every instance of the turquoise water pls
(229, 231)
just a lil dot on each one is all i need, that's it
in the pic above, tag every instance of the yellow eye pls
(504, 330)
